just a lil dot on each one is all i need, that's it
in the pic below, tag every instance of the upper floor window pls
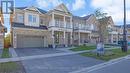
(20, 18)
(41, 21)
(92, 27)
(32, 18)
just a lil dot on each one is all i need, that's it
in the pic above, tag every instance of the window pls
(32, 18)
(20, 17)
(92, 27)
(80, 26)
(41, 21)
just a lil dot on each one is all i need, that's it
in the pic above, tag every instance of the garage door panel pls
(30, 41)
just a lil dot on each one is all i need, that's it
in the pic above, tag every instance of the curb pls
(102, 65)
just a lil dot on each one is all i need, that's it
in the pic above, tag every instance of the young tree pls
(99, 14)
(102, 24)
(103, 30)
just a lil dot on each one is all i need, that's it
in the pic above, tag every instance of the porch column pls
(71, 38)
(3, 40)
(72, 33)
(53, 19)
(90, 38)
(53, 39)
(64, 40)
(79, 37)
(64, 22)
(15, 41)
(117, 39)
(71, 22)
(111, 38)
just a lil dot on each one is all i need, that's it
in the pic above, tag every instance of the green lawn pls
(81, 48)
(111, 54)
(8, 67)
(5, 53)
(86, 47)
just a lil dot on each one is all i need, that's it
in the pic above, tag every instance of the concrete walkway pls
(65, 49)
(40, 56)
(13, 52)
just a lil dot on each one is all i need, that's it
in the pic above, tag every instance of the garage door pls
(26, 41)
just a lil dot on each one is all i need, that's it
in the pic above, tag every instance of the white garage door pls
(25, 41)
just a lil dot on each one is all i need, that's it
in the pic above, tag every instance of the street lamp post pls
(124, 47)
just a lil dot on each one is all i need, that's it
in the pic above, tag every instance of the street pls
(122, 66)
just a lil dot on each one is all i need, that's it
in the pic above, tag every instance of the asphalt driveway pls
(61, 64)
(35, 51)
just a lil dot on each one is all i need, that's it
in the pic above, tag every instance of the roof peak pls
(39, 9)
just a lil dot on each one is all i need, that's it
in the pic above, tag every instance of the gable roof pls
(20, 8)
(108, 20)
(60, 8)
(39, 10)
(83, 18)
(42, 11)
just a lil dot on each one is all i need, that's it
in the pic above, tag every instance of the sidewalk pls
(66, 49)
(13, 52)
(40, 56)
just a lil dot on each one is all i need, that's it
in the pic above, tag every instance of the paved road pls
(121, 67)
(62, 64)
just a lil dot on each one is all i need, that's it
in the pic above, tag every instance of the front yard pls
(109, 54)
(84, 47)
(10, 67)
(87, 47)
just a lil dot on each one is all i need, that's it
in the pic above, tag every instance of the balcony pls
(59, 24)
(82, 29)
(68, 25)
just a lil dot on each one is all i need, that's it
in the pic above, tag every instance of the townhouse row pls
(34, 27)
